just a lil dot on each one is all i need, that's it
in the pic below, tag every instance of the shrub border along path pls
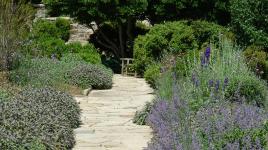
(107, 117)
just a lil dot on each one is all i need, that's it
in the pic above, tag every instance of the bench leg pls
(122, 68)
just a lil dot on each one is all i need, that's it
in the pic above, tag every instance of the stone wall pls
(40, 11)
(78, 33)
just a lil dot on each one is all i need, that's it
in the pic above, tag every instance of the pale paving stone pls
(107, 117)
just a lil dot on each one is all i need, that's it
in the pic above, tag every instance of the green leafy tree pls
(211, 10)
(15, 21)
(250, 20)
(121, 14)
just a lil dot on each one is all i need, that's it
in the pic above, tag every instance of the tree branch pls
(107, 40)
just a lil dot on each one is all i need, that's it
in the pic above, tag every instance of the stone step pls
(107, 117)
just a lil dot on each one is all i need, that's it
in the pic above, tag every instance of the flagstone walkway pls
(107, 117)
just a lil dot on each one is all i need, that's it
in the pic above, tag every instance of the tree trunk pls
(131, 23)
(122, 42)
(107, 42)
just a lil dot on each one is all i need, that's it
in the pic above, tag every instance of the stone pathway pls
(107, 117)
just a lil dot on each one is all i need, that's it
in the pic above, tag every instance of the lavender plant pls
(221, 73)
(232, 126)
(198, 111)
(171, 122)
(221, 125)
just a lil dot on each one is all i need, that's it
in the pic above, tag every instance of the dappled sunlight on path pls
(107, 117)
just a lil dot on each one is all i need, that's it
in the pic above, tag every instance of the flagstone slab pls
(107, 116)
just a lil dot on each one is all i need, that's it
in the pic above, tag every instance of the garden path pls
(107, 117)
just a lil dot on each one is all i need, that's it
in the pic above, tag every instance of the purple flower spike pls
(210, 83)
(207, 53)
(205, 57)
(226, 81)
(203, 61)
(217, 85)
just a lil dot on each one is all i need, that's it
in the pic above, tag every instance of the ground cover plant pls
(39, 118)
(39, 72)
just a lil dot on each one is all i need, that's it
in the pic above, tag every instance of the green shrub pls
(42, 115)
(64, 27)
(247, 88)
(87, 52)
(87, 75)
(48, 38)
(176, 37)
(71, 57)
(45, 46)
(59, 29)
(45, 28)
(152, 74)
(256, 60)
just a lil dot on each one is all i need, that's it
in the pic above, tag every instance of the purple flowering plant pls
(193, 112)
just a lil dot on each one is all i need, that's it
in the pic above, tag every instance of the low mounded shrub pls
(175, 37)
(87, 75)
(59, 29)
(64, 27)
(87, 52)
(41, 72)
(46, 46)
(45, 28)
(249, 89)
(39, 118)
(48, 38)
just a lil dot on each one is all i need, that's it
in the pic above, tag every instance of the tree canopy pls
(122, 16)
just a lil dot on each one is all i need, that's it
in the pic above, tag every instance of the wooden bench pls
(126, 65)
